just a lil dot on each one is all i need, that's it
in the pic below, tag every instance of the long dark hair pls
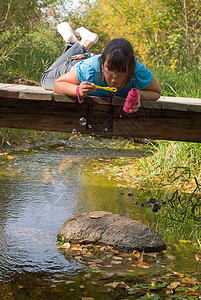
(119, 55)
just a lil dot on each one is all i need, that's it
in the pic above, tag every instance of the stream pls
(41, 188)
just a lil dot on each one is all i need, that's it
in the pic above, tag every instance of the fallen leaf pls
(136, 255)
(190, 280)
(173, 285)
(9, 157)
(65, 246)
(198, 257)
(124, 255)
(76, 247)
(115, 262)
(117, 258)
(85, 293)
(118, 284)
(107, 275)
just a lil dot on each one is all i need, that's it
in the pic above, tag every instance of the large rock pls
(111, 229)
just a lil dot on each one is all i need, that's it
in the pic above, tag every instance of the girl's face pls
(113, 78)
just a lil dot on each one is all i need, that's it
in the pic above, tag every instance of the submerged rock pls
(111, 229)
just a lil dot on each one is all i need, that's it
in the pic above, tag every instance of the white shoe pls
(85, 34)
(66, 32)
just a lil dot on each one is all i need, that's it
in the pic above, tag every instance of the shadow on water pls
(42, 188)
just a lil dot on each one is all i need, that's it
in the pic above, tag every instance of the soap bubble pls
(106, 129)
(89, 126)
(82, 121)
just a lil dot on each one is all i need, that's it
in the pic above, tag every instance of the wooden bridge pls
(169, 118)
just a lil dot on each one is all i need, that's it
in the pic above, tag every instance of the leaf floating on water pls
(69, 282)
(117, 257)
(10, 157)
(115, 262)
(116, 284)
(107, 275)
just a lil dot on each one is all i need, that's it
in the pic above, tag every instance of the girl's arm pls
(152, 92)
(67, 84)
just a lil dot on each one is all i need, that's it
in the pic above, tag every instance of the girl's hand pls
(137, 106)
(86, 88)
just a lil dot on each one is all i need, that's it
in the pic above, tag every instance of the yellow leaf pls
(136, 255)
(10, 157)
(185, 241)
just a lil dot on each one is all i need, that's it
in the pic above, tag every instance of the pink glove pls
(131, 101)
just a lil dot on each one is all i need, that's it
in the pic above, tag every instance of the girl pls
(77, 72)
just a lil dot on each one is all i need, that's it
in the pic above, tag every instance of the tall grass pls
(179, 83)
(170, 161)
(38, 49)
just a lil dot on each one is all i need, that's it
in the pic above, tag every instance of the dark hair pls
(119, 55)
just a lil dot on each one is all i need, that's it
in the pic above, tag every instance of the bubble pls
(89, 126)
(106, 129)
(74, 131)
(120, 116)
(82, 121)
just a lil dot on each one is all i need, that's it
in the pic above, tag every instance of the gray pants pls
(59, 67)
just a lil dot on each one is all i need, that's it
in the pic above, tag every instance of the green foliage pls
(38, 49)
(163, 32)
(25, 31)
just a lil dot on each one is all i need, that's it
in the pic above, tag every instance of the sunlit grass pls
(179, 83)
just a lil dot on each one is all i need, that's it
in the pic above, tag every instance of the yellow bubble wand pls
(108, 88)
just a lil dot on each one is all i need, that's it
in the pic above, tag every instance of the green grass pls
(36, 51)
(169, 161)
(179, 83)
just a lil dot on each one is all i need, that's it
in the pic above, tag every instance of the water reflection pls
(40, 190)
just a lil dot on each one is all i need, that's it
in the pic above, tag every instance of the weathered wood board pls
(168, 118)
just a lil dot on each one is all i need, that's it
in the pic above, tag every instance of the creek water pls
(40, 189)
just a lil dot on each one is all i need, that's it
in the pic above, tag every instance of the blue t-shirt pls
(89, 70)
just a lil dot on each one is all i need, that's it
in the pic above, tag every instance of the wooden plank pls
(174, 103)
(100, 120)
(6, 91)
(40, 115)
(63, 98)
(160, 124)
(24, 92)
(96, 100)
